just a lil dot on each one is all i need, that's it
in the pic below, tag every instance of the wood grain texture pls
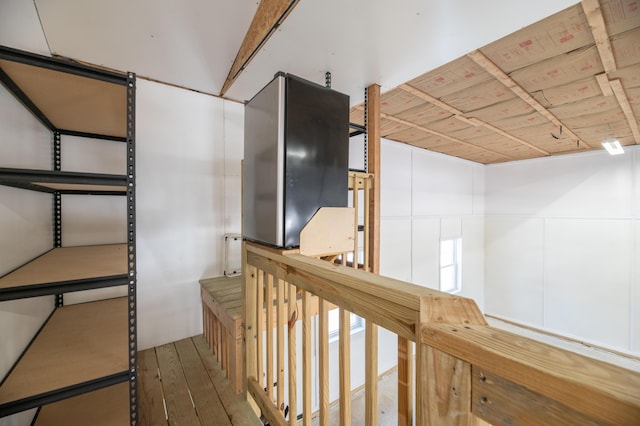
(178, 400)
(448, 392)
(405, 382)
(238, 409)
(73, 102)
(605, 392)
(205, 398)
(323, 363)
(250, 322)
(151, 412)
(268, 301)
(451, 310)
(306, 359)
(344, 360)
(280, 313)
(499, 401)
(292, 354)
(270, 14)
(269, 411)
(79, 343)
(328, 232)
(371, 374)
(373, 162)
(70, 263)
(104, 407)
(593, 13)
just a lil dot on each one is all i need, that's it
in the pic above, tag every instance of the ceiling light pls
(612, 145)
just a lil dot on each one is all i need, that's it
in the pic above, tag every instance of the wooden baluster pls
(371, 373)
(367, 197)
(291, 342)
(268, 299)
(405, 392)
(260, 323)
(345, 367)
(323, 362)
(355, 226)
(280, 343)
(306, 359)
(251, 309)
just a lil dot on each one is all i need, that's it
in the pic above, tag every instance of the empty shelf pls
(67, 269)
(81, 348)
(104, 407)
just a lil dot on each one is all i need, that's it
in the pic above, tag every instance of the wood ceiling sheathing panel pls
(626, 48)
(388, 127)
(561, 33)
(629, 76)
(598, 104)
(453, 77)
(602, 117)
(520, 121)
(72, 102)
(473, 132)
(535, 133)
(620, 15)
(430, 142)
(356, 115)
(595, 134)
(409, 135)
(448, 125)
(511, 108)
(424, 114)
(568, 93)
(479, 96)
(559, 70)
(397, 100)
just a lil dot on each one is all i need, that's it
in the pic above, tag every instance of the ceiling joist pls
(442, 135)
(269, 16)
(593, 13)
(486, 63)
(621, 96)
(471, 121)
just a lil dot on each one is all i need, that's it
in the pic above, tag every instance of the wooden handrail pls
(465, 369)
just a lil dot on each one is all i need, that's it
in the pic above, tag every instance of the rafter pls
(488, 65)
(462, 117)
(268, 17)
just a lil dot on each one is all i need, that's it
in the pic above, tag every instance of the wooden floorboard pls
(191, 385)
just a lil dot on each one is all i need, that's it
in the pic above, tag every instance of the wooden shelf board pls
(70, 101)
(81, 187)
(104, 407)
(78, 344)
(70, 263)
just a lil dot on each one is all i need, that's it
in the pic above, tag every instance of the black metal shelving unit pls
(85, 352)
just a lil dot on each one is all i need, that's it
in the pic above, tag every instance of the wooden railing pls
(466, 372)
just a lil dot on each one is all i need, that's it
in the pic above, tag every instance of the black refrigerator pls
(296, 155)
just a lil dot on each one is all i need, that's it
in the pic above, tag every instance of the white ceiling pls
(192, 43)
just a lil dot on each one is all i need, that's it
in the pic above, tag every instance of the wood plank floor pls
(181, 383)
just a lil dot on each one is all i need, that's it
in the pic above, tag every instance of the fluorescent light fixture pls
(613, 146)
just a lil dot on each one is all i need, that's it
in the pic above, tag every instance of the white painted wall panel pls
(587, 279)
(180, 215)
(90, 219)
(634, 302)
(562, 186)
(473, 259)
(93, 155)
(514, 268)
(233, 155)
(395, 189)
(395, 248)
(20, 27)
(425, 252)
(442, 185)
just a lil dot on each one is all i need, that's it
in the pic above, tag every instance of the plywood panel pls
(587, 278)
(70, 263)
(79, 343)
(72, 102)
(514, 286)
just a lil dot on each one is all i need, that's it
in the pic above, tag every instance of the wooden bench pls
(222, 324)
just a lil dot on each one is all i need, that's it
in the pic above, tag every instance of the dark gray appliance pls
(296, 154)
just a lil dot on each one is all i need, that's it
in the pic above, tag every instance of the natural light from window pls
(451, 265)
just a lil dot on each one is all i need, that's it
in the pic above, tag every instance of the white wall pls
(562, 246)
(427, 196)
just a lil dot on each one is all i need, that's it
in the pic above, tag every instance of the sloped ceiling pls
(429, 56)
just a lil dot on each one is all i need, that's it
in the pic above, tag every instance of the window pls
(451, 265)
(357, 323)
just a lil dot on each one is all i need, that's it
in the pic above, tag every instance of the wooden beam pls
(603, 82)
(621, 96)
(607, 393)
(371, 373)
(405, 378)
(461, 116)
(269, 16)
(373, 161)
(269, 411)
(593, 12)
(442, 135)
(479, 58)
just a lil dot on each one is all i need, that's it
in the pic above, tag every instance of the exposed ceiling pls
(460, 107)
(559, 86)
